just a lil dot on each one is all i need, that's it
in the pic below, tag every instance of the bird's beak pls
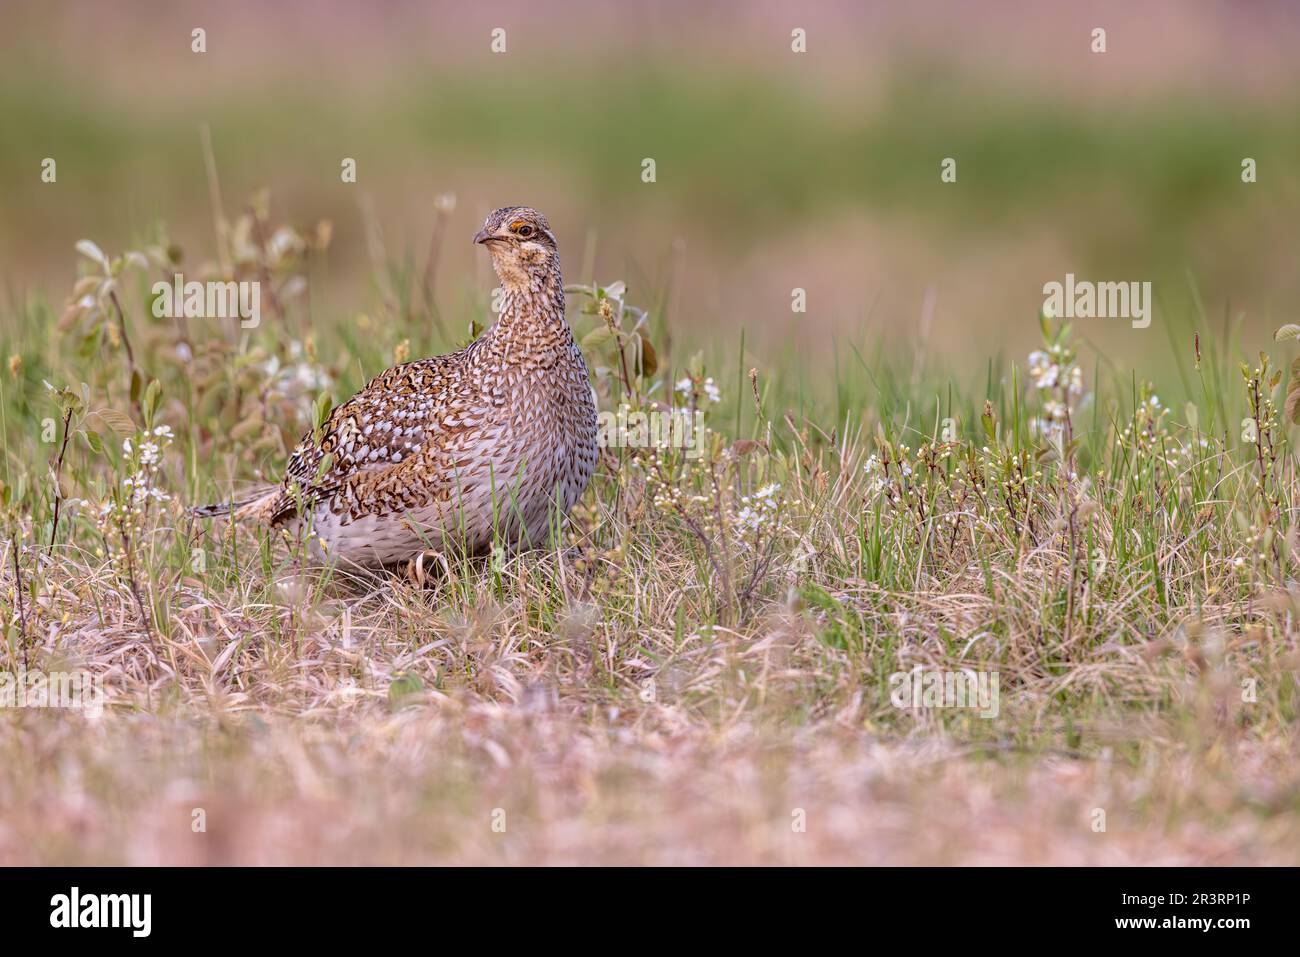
(483, 236)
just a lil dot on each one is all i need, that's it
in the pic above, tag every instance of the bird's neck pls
(532, 311)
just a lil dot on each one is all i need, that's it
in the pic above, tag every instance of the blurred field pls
(677, 677)
(776, 171)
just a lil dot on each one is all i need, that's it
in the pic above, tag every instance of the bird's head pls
(521, 243)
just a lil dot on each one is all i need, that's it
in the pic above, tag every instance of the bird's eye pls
(525, 231)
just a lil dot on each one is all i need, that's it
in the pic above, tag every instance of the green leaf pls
(1289, 331)
(119, 422)
(403, 688)
(93, 253)
(152, 399)
(324, 402)
(324, 465)
(320, 412)
(649, 358)
(597, 338)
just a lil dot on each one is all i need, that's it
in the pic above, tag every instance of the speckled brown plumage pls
(492, 443)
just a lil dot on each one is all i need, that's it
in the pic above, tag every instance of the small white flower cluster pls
(1193, 451)
(1048, 370)
(679, 497)
(880, 481)
(143, 455)
(123, 517)
(671, 496)
(1148, 428)
(759, 510)
(298, 378)
(686, 386)
(1054, 374)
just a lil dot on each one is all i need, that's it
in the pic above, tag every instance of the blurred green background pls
(775, 170)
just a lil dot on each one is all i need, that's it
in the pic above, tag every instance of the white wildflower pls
(1043, 370)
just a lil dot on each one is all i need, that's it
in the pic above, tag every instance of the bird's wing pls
(389, 421)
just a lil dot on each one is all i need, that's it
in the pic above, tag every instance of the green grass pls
(739, 154)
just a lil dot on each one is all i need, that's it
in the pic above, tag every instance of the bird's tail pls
(257, 506)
